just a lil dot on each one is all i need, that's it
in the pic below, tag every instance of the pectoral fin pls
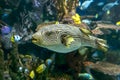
(67, 40)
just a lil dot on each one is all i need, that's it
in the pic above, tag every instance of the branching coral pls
(101, 27)
(14, 3)
(60, 76)
(104, 67)
(113, 56)
(74, 62)
(65, 7)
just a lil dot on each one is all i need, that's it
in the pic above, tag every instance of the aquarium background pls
(21, 59)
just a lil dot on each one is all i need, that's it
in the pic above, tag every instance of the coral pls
(14, 3)
(13, 58)
(113, 56)
(65, 7)
(1, 63)
(76, 18)
(60, 76)
(74, 61)
(5, 30)
(102, 28)
(104, 67)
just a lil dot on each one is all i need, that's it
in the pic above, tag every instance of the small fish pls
(6, 13)
(79, 4)
(53, 36)
(100, 4)
(28, 56)
(86, 4)
(32, 74)
(15, 38)
(41, 68)
(57, 22)
(108, 12)
(20, 69)
(96, 15)
(26, 71)
(87, 21)
(97, 55)
(110, 5)
(86, 76)
(118, 23)
(48, 62)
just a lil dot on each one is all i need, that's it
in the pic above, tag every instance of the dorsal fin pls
(45, 24)
(85, 31)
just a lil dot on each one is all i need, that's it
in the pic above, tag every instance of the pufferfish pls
(65, 38)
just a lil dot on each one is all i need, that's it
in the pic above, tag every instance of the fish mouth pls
(34, 40)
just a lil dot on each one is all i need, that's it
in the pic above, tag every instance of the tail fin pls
(116, 2)
(102, 44)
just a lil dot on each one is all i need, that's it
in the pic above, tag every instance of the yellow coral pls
(32, 74)
(41, 68)
(76, 19)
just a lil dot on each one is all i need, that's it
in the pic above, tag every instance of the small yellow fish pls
(41, 68)
(118, 23)
(15, 38)
(56, 22)
(21, 56)
(28, 56)
(12, 39)
(32, 74)
(76, 19)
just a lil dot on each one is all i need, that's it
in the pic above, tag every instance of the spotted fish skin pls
(51, 37)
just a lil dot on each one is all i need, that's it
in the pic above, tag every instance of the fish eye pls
(49, 33)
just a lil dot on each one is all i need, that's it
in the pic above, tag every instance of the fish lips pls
(34, 40)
